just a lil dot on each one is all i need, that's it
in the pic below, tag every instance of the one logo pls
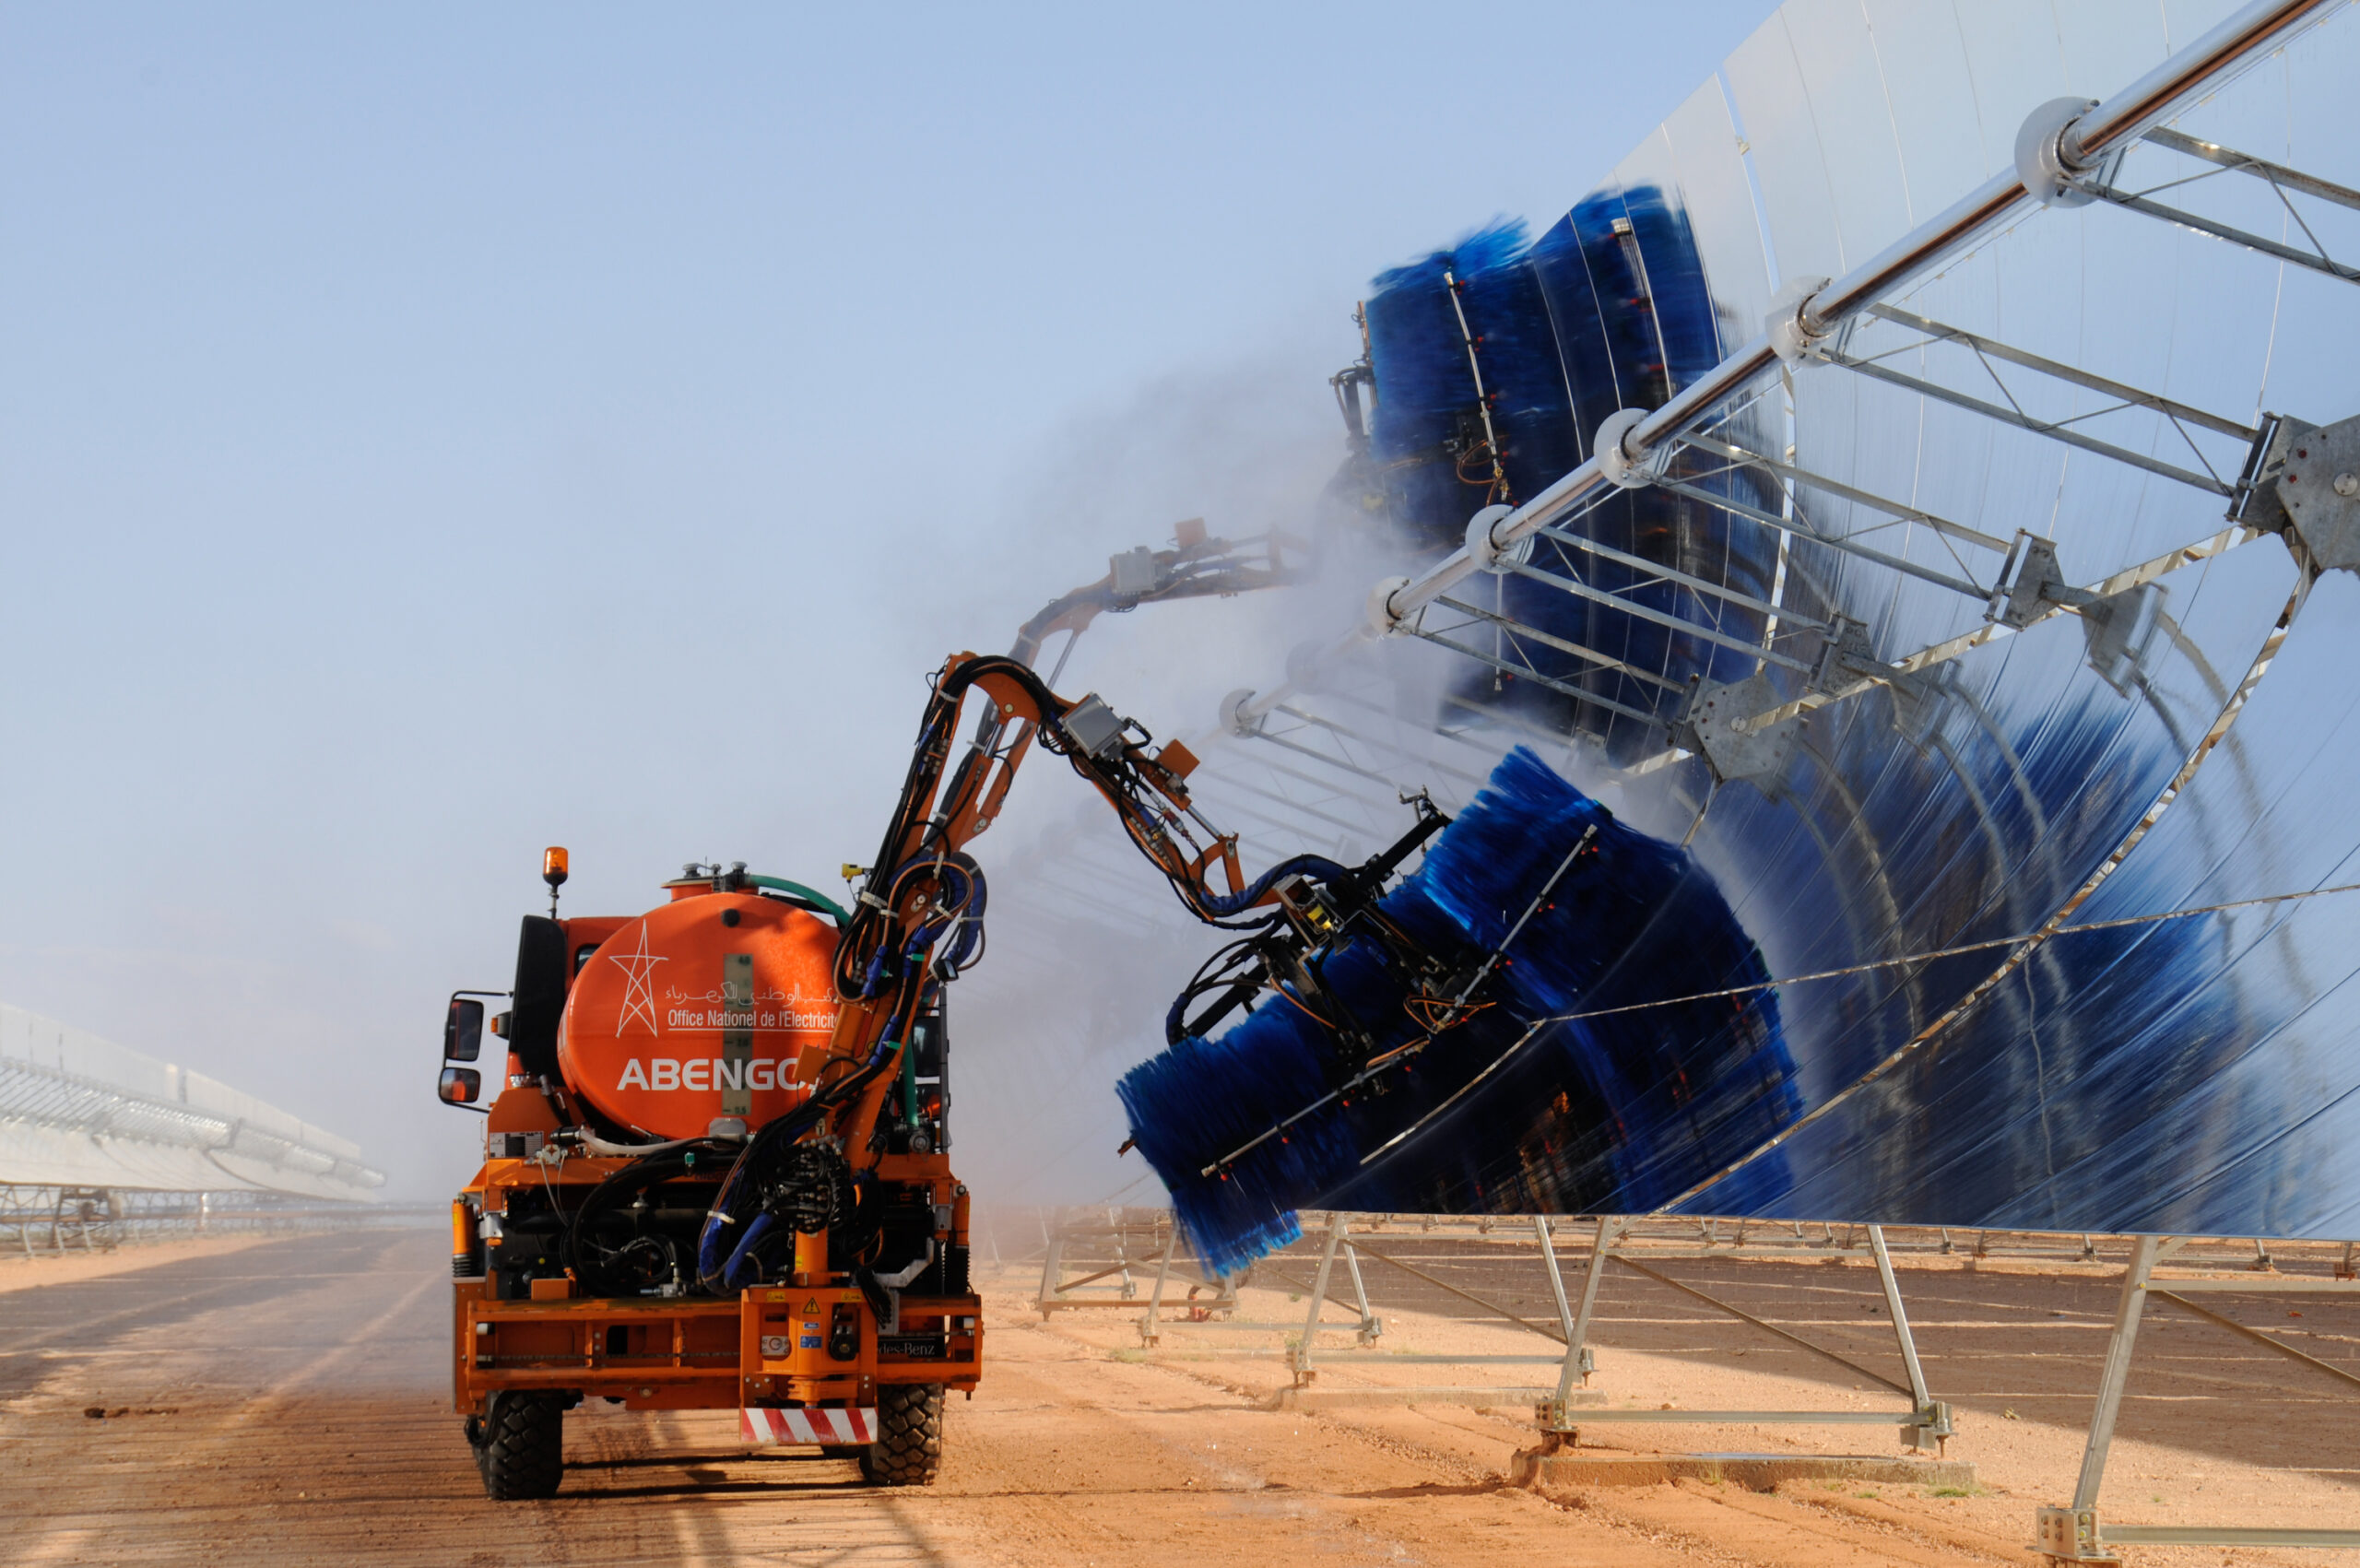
(639, 996)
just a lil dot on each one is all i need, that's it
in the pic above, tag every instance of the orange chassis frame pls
(770, 1345)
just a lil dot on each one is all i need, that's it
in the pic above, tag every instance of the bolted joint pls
(1617, 462)
(1486, 551)
(2044, 162)
(2031, 586)
(2304, 481)
(1556, 1418)
(1723, 725)
(1382, 618)
(1793, 337)
(1929, 1427)
(2072, 1535)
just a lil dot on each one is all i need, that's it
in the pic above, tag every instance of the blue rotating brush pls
(1378, 1089)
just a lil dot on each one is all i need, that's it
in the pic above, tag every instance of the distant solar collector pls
(76, 1111)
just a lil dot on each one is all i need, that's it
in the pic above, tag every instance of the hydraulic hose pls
(593, 1144)
(733, 1273)
(827, 905)
(1318, 867)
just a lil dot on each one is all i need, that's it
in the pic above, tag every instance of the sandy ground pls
(18, 1272)
(285, 1403)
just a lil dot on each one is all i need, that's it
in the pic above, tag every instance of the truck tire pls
(521, 1449)
(908, 1450)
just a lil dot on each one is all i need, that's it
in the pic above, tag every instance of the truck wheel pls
(908, 1450)
(521, 1453)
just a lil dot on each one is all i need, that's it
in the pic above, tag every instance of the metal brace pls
(1929, 1426)
(2121, 631)
(1847, 656)
(1717, 727)
(2304, 480)
(2031, 585)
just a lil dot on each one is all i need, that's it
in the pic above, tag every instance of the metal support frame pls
(1525, 672)
(1792, 479)
(2026, 588)
(1303, 1358)
(1925, 1423)
(1648, 613)
(1151, 1322)
(2181, 415)
(1058, 1293)
(1226, 780)
(2105, 187)
(39, 1219)
(1854, 678)
(1580, 1360)
(2071, 149)
(1303, 1354)
(1366, 1330)
(2076, 1533)
(1656, 572)
(1114, 1245)
(1345, 732)
(1796, 526)
(1514, 628)
(1295, 797)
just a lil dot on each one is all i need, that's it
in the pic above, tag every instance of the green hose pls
(835, 911)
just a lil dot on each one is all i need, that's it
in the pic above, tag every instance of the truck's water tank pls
(715, 1006)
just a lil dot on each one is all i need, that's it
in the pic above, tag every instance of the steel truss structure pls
(1329, 750)
(1114, 1249)
(2076, 1533)
(1121, 1243)
(2069, 155)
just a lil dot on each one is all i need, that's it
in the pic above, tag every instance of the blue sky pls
(427, 434)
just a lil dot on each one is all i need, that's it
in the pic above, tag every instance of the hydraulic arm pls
(919, 919)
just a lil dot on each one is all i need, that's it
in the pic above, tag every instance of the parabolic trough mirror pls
(1959, 617)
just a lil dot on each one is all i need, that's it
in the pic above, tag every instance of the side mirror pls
(463, 1032)
(460, 1085)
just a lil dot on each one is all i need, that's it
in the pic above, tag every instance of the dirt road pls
(288, 1404)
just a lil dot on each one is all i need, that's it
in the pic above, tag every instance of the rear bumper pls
(769, 1347)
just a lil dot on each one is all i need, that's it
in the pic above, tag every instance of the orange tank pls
(716, 1005)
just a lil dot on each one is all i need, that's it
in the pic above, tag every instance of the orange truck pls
(716, 1170)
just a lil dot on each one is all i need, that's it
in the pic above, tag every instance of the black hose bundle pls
(643, 1260)
(766, 1164)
